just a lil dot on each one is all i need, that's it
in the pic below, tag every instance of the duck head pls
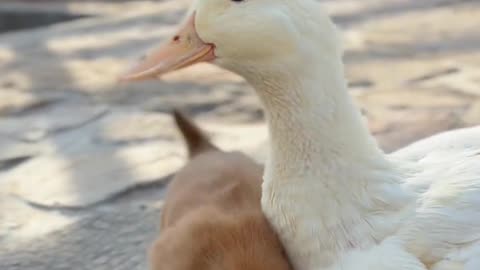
(244, 36)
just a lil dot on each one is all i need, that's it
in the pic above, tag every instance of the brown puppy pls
(212, 219)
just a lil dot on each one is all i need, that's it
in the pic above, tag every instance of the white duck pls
(337, 201)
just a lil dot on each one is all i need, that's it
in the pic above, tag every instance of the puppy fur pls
(212, 217)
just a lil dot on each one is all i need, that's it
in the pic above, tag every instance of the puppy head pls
(213, 241)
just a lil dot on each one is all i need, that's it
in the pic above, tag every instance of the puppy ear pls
(195, 139)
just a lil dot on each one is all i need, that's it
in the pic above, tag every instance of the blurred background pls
(84, 160)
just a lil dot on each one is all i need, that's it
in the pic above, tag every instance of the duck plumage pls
(336, 200)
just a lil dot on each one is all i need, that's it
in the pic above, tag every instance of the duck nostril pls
(176, 38)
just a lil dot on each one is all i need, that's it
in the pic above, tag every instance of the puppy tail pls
(196, 141)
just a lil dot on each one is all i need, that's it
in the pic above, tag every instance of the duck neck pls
(324, 160)
(314, 124)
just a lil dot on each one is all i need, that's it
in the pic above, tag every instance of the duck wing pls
(446, 177)
(453, 140)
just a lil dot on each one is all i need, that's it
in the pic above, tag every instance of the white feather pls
(336, 200)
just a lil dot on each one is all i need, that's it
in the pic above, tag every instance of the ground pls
(84, 160)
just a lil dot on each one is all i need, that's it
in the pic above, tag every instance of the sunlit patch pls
(50, 222)
(6, 55)
(203, 74)
(15, 80)
(85, 43)
(129, 8)
(89, 75)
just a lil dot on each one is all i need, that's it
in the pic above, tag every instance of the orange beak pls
(182, 50)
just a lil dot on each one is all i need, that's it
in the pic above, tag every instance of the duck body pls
(344, 195)
(435, 219)
(445, 226)
(335, 199)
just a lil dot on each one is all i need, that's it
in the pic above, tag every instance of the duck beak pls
(184, 49)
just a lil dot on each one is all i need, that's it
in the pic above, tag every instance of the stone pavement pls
(84, 160)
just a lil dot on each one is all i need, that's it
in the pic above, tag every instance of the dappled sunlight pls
(203, 73)
(466, 81)
(17, 80)
(7, 55)
(16, 152)
(53, 190)
(28, 224)
(147, 164)
(129, 8)
(84, 158)
(428, 35)
(40, 224)
(244, 136)
(96, 74)
(69, 181)
(75, 174)
(15, 101)
(430, 25)
(123, 127)
(84, 42)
